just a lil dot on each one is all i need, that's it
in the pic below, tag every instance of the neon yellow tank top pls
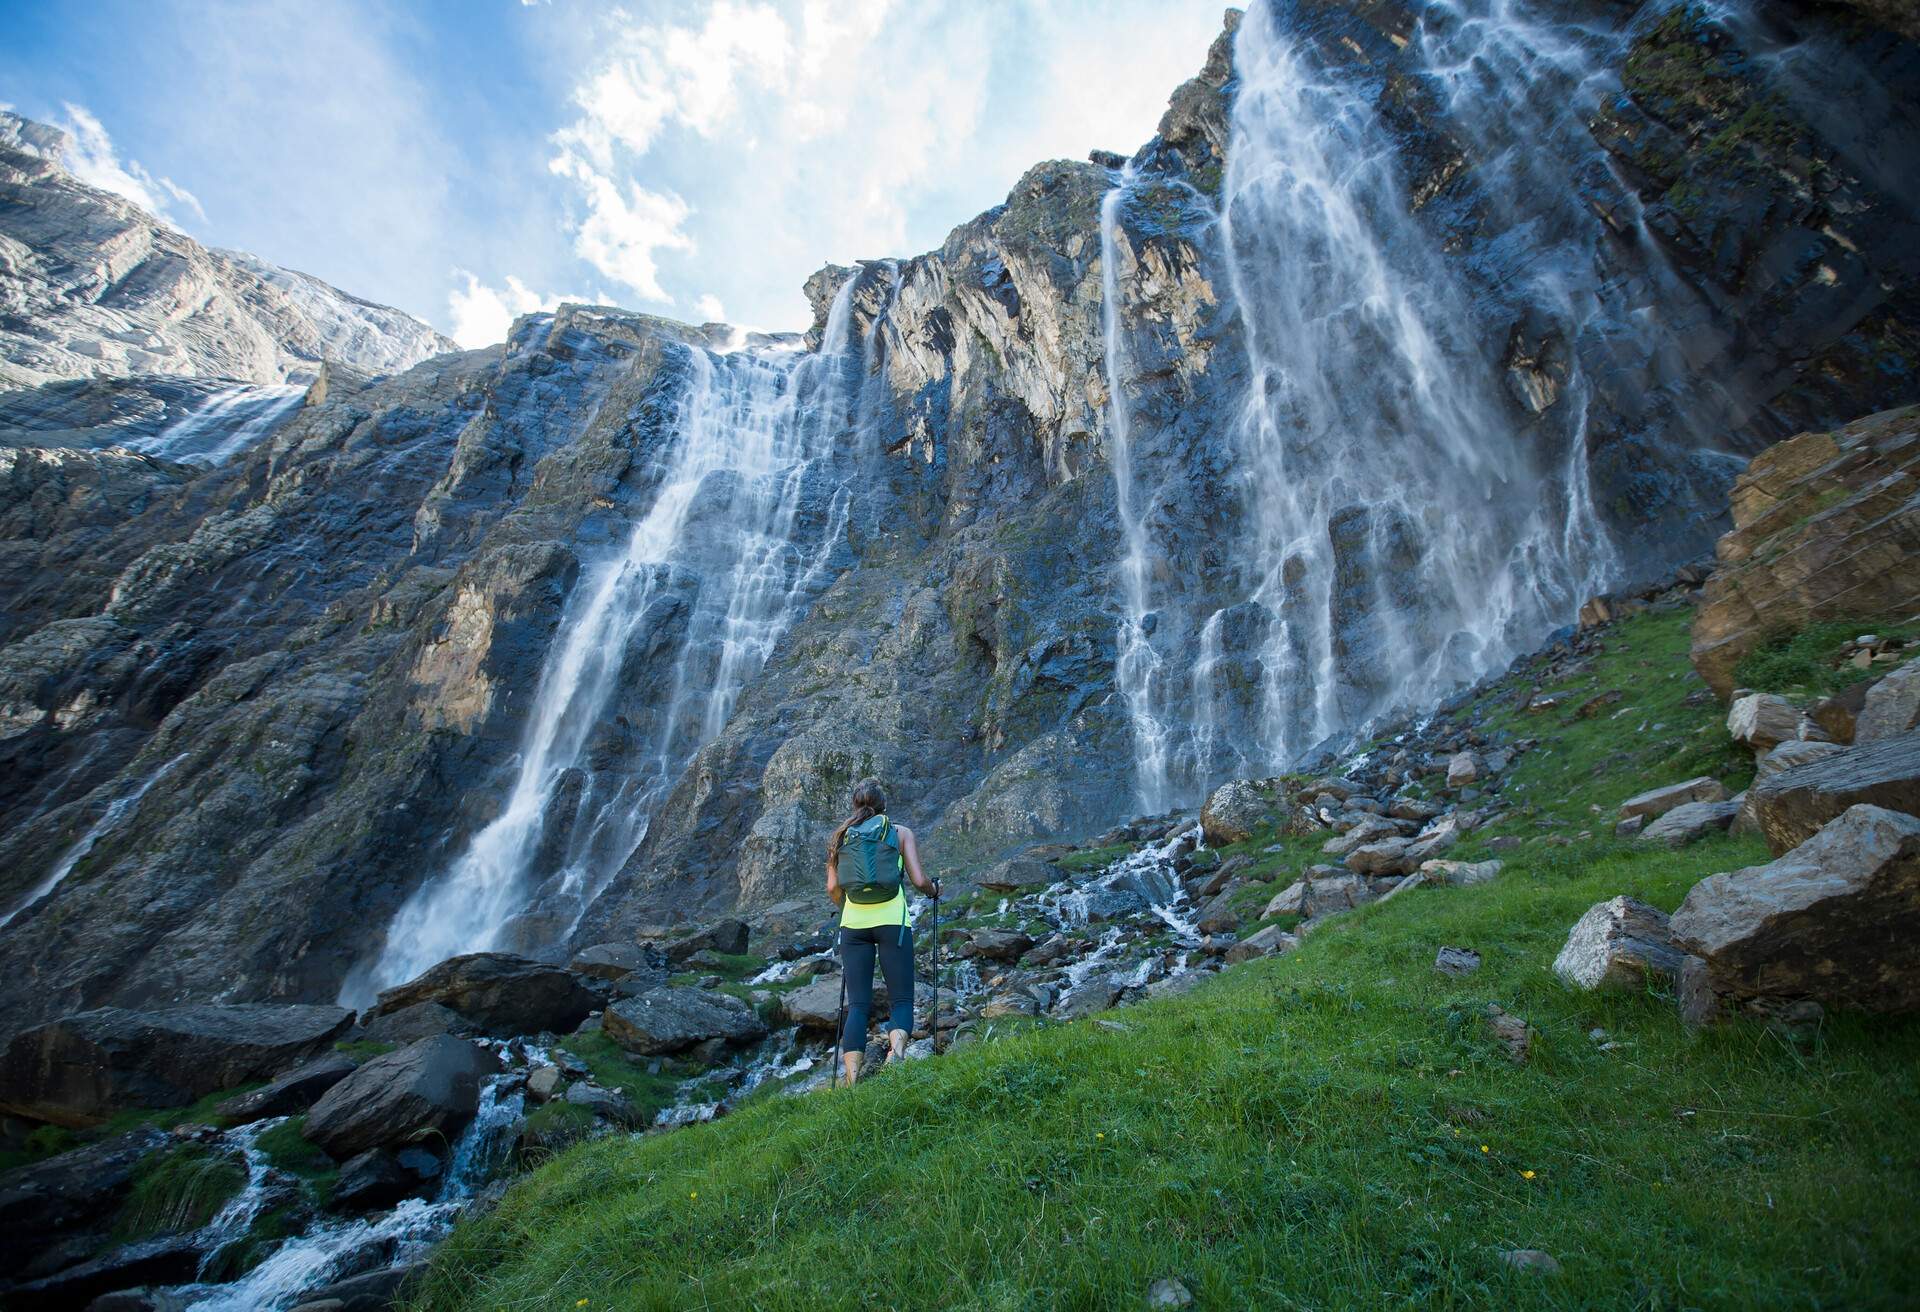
(874, 914)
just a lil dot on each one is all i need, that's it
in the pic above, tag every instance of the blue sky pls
(466, 160)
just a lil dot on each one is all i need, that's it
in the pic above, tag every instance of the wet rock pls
(369, 1180)
(725, 936)
(1002, 945)
(1094, 994)
(371, 1291)
(289, 1094)
(612, 961)
(1270, 941)
(1018, 873)
(1763, 721)
(429, 1086)
(1052, 950)
(1619, 944)
(1687, 824)
(80, 1070)
(72, 1193)
(1795, 803)
(1891, 707)
(166, 1260)
(1837, 919)
(668, 1020)
(499, 993)
(1220, 915)
(1510, 1032)
(1456, 961)
(1658, 801)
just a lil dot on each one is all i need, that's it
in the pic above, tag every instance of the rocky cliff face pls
(1045, 543)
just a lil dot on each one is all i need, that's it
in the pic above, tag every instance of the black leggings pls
(893, 944)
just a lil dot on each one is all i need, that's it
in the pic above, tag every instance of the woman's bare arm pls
(833, 879)
(911, 851)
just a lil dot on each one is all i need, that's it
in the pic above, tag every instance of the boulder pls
(1510, 1032)
(80, 1070)
(1824, 528)
(432, 1086)
(606, 1104)
(290, 1094)
(1837, 919)
(1388, 856)
(164, 1260)
(1764, 720)
(1003, 945)
(501, 994)
(1411, 808)
(75, 1192)
(1838, 716)
(1793, 804)
(1094, 994)
(727, 936)
(1695, 820)
(1456, 961)
(411, 1024)
(1619, 944)
(1659, 801)
(611, 961)
(1308, 898)
(816, 1004)
(370, 1180)
(1459, 874)
(1464, 768)
(668, 1020)
(1366, 829)
(545, 1083)
(1233, 811)
(1267, 942)
(1010, 1002)
(370, 1291)
(1784, 757)
(1891, 707)
(1017, 873)
(1220, 915)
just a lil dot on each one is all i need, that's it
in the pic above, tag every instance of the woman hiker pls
(866, 858)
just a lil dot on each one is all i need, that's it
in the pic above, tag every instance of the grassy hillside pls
(1333, 1128)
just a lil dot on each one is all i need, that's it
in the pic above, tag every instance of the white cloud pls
(91, 158)
(482, 315)
(709, 310)
(625, 226)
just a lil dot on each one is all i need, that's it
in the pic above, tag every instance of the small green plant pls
(1806, 662)
(178, 1191)
(364, 1049)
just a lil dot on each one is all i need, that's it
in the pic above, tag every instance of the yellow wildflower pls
(1485, 1149)
(1526, 1175)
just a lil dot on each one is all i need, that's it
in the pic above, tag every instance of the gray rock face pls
(1618, 944)
(499, 993)
(1270, 941)
(429, 1086)
(422, 1020)
(1837, 919)
(74, 1192)
(1792, 805)
(669, 1020)
(94, 285)
(80, 1070)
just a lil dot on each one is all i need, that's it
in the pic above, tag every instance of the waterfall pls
(117, 810)
(1414, 508)
(752, 498)
(227, 423)
(1136, 663)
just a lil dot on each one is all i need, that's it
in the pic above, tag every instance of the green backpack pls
(871, 867)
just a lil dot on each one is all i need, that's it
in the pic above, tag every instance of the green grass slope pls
(1335, 1128)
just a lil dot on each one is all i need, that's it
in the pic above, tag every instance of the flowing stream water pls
(117, 811)
(227, 423)
(750, 505)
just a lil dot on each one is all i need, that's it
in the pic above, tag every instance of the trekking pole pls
(934, 1024)
(840, 1023)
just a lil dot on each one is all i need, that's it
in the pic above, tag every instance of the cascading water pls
(117, 811)
(230, 421)
(749, 507)
(1412, 514)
